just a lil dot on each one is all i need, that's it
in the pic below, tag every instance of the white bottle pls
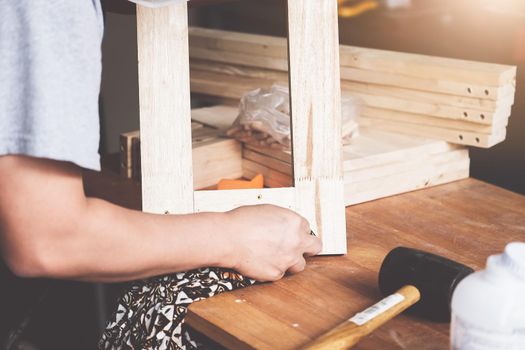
(488, 307)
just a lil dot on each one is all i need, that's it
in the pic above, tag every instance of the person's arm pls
(48, 228)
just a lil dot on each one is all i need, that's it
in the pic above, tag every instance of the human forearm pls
(48, 228)
(110, 243)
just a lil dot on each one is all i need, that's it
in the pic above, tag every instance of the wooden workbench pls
(466, 221)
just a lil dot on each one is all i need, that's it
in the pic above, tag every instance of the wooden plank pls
(424, 161)
(125, 153)
(456, 136)
(221, 201)
(371, 82)
(165, 117)
(417, 181)
(427, 97)
(421, 119)
(224, 85)
(372, 148)
(422, 83)
(270, 175)
(229, 41)
(214, 159)
(432, 67)
(360, 176)
(440, 164)
(220, 117)
(282, 166)
(315, 103)
(384, 180)
(442, 110)
(445, 75)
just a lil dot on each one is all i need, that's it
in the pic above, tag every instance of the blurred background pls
(484, 30)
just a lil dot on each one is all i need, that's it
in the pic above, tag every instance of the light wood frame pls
(165, 121)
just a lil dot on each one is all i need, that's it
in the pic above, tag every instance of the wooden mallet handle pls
(351, 331)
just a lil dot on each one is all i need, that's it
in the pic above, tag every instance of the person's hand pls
(269, 241)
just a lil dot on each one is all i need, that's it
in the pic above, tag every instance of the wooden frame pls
(165, 121)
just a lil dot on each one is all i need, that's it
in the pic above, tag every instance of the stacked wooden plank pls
(214, 157)
(459, 101)
(377, 164)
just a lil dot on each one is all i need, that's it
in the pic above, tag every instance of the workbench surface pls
(466, 221)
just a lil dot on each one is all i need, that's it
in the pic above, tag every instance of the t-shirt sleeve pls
(50, 69)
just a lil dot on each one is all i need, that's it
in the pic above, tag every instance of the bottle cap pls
(512, 259)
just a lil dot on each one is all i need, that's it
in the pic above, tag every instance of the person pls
(50, 68)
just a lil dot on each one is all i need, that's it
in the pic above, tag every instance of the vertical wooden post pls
(313, 45)
(165, 115)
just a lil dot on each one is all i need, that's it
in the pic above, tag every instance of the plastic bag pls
(264, 118)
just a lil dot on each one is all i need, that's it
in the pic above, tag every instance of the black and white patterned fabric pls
(150, 315)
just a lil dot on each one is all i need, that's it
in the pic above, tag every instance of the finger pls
(276, 275)
(313, 245)
(298, 266)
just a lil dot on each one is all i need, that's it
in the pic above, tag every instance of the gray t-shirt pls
(50, 68)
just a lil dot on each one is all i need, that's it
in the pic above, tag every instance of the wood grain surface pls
(165, 115)
(315, 107)
(466, 221)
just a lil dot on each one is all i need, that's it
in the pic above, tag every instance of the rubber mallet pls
(409, 277)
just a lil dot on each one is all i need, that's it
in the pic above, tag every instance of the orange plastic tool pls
(256, 182)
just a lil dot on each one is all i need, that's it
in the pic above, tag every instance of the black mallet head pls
(436, 278)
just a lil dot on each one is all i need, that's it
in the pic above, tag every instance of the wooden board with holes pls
(450, 135)
(469, 97)
(224, 85)
(418, 72)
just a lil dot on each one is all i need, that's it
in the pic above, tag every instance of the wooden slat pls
(165, 119)
(427, 97)
(219, 84)
(373, 148)
(221, 201)
(450, 135)
(361, 178)
(378, 84)
(315, 104)
(125, 153)
(385, 180)
(421, 119)
(415, 65)
(420, 72)
(220, 117)
(423, 83)
(443, 110)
